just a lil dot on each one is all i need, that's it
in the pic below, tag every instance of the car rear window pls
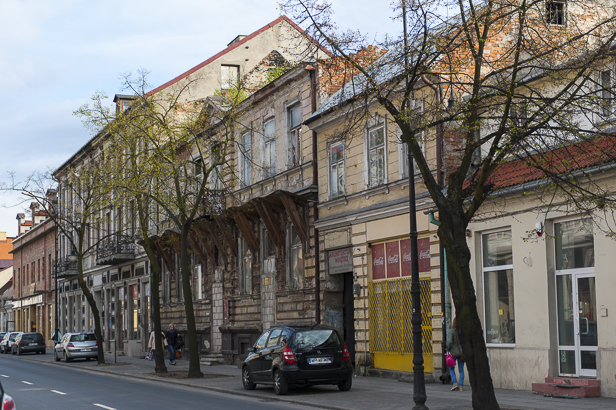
(311, 339)
(88, 337)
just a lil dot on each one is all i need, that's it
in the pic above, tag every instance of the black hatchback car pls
(29, 343)
(285, 356)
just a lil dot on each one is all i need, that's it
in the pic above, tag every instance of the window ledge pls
(501, 345)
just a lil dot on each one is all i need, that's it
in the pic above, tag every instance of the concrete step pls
(212, 359)
(568, 387)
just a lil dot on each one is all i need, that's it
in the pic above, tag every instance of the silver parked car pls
(7, 342)
(76, 346)
(6, 402)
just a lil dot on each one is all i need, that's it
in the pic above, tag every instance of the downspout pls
(315, 198)
(445, 305)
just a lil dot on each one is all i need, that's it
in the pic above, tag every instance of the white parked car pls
(6, 345)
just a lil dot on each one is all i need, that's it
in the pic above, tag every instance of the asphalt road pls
(34, 386)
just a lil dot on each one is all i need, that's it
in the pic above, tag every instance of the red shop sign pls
(423, 246)
(378, 261)
(393, 260)
(405, 247)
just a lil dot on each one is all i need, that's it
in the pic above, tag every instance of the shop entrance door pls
(577, 323)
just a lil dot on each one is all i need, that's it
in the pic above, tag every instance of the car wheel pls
(88, 359)
(247, 379)
(281, 387)
(66, 359)
(55, 355)
(346, 385)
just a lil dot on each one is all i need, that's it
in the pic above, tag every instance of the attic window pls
(555, 12)
(229, 76)
(125, 105)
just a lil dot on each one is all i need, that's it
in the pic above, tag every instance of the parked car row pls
(70, 346)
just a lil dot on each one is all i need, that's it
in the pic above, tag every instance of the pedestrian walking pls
(454, 347)
(171, 335)
(152, 344)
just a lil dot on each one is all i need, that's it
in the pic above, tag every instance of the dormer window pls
(555, 12)
(125, 105)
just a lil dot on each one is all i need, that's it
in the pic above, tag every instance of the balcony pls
(65, 268)
(115, 250)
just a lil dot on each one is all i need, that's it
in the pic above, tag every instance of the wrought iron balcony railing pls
(115, 249)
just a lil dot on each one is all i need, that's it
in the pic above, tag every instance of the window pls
(605, 80)
(498, 287)
(273, 339)
(555, 12)
(376, 154)
(245, 268)
(294, 117)
(296, 262)
(198, 283)
(245, 159)
(574, 244)
(216, 156)
(404, 158)
(336, 170)
(260, 343)
(229, 76)
(125, 105)
(269, 149)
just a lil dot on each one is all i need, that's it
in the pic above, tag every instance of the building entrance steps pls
(212, 359)
(568, 387)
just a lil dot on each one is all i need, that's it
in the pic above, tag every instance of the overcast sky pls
(55, 54)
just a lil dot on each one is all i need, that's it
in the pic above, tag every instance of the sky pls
(54, 55)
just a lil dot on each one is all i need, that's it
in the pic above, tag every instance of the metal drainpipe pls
(445, 304)
(315, 211)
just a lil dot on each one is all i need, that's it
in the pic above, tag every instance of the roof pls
(233, 45)
(559, 161)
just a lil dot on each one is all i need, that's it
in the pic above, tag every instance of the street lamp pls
(73, 256)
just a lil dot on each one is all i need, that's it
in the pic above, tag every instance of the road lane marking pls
(58, 392)
(104, 407)
(4, 375)
(25, 382)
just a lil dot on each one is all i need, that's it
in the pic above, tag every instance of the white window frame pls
(606, 92)
(269, 150)
(293, 136)
(198, 282)
(245, 159)
(375, 123)
(226, 82)
(340, 165)
(489, 269)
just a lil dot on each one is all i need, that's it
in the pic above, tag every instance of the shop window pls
(269, 149)
(294, 118)
(296, 260)
(499, 309)
(245, 268)
(574, 244)
(336, 169)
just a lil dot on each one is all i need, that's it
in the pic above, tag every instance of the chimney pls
(34, 208)
(236, 39)
(21, 218)
(2, 236)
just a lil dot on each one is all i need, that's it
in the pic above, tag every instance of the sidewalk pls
(368, 393)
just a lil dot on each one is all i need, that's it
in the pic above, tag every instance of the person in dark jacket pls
(171, 334)
(454, 347)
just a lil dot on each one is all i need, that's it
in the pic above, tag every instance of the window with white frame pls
(197, 283)
(246, 159)
(404, 157)
(497, 272)
(555, 12)
(294, 118)
(336, 169)
(605, 82)
(245, 268)
(296, 260)
(229, 76)
(269, 148)
(376, 152)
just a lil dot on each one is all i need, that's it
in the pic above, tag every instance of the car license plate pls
(85, 350)
(319, 360)
(33, 344)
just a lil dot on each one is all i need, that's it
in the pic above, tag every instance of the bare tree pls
(498, 81)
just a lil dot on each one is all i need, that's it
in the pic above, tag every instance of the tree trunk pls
(194, 366)
(452, 233)
(95, 313)
(159, 352)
